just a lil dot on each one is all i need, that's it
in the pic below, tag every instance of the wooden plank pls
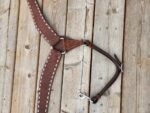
(7, 79)
(77, 61)
(108, 35)
(23, 97)
(136, 80)
(8, 32)
(55, 13)
(4, 18)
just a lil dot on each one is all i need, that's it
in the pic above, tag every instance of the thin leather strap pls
(116, 62)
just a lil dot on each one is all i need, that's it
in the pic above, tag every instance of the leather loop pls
(65, 44)
(59, 46)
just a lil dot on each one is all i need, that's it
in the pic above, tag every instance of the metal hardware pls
(84, 96)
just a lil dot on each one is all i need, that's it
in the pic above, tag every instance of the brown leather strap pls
(46, 80)
(42, 26)
(60, 45)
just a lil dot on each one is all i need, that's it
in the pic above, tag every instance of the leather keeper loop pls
(95, 99)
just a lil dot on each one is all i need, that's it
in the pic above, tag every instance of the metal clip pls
(121, 68)
(84, 96)
(64, 52)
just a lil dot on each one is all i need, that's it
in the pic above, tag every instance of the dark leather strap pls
(117, 63)
(60, 46)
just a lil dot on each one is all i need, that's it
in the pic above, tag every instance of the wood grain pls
(23, 98)
(8, 32)
(136, 80)
(4, 19)
(108, 35)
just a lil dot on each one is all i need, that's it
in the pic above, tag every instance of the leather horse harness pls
(61, 45)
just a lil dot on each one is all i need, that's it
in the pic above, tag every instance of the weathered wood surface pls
(26, 63)
(23, 53)
(8, 34)
(136, 80)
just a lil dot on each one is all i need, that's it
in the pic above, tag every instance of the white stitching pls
(50, 84)
(42, 77)
(42, 20)
(34, 17)
(55, 67)
(42, 16)
(45, 110)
